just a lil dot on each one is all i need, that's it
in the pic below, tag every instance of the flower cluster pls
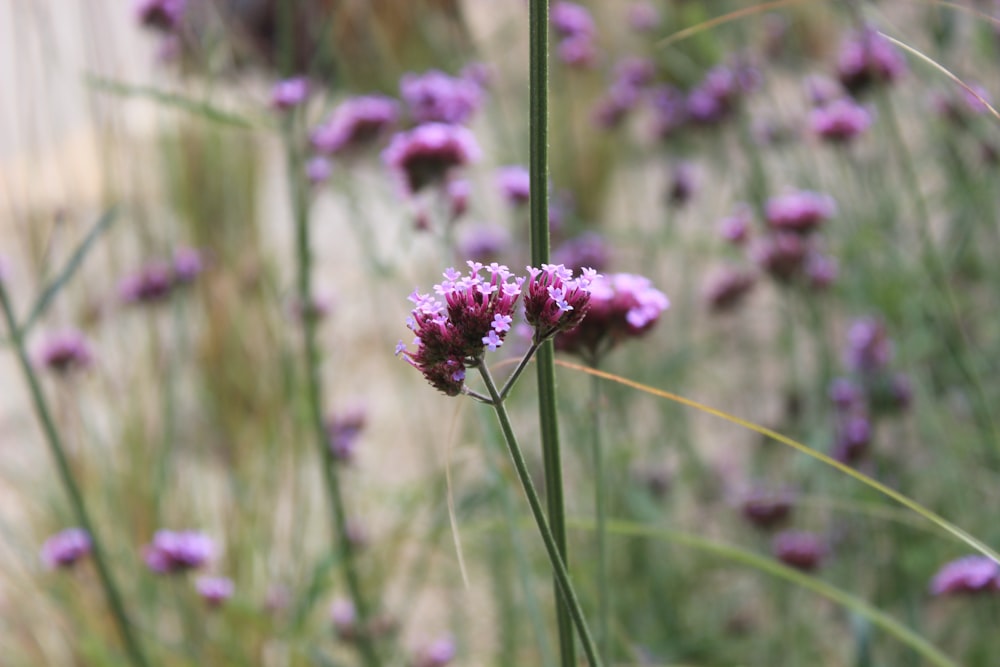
(65, 351)
(171, 552)
(867, 59)
(799, 549)
(214, 590)
(355, 124)
(622, 305)
(632, 78)
(468, 314)
(966, 575)
(840, 121)
(576, 30)
(514, 183)
(66, 548)
(438, 653)
(556, 301)
(289, 93)
(727, 288)
(343, 431)
(162, 15)
(435, 97)
(766, 509)
(428, 153)
(157, 280)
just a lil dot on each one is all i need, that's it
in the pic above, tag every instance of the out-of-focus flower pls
(65, 351)
(959, 107)
(214, 590)
(799, 212)
(570, 20)
(821, 270)
(480, 74)
(727, 288)
(344, 618)
(643, 16)
(162, 15)
(845, 394)
(458, 191)
(343, 431)
(427, 153)
(151, 284)
(966, 575)
(683, 184)
(484, 243)
(475, 314)
(782, 255)
(869, 349)
(714, 99)
(736, 228)
(171, 552)
(289, 93)
(554, 300)
(840, 121)
(577, 51)
(438, 653)
(852, 437)
(65, 548)
(799, 549)
(588, 250)
(622, 305)
(356, 124)
(821, 90)
(514, 183)
(767, 509)
(318, 170)
(670, 110)
(188, 264)
(866, 59)
(435, 97)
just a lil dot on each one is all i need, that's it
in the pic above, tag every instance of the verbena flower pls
(840, 121)
(736, 228)
(151, 284)
(355, 124)
(643, 16)
(65, 351)
(427, 153)
(867, 59)
(318, 170)
(66, 548)
(621, 306)
(554, 300)
(289, 93)
(766, 509)
(869, 349)
(782, 255)
(852, 437)
(435, 97)
(799, 549)
(800, 212)
(577, 51)
(458, 191)
(967, 575)
(163, 15)
(484, 243)
(438, 653)
(171, 552)
(845, 394)
(343, 431)
(344, 617)
(683, 184)
(215, 590)
(588, 250)
(821, 270)
(514, 183)
(570, 19)
(469, 314)
(670, 111)
(727, 288)
(188, 264)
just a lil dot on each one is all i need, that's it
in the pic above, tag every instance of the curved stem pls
(565, 586)
(132, 647)
(314, 388)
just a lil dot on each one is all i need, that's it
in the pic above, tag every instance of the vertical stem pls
(132, 647)
(314, 389)
(563, 584)
(603, 592)
(539, 232)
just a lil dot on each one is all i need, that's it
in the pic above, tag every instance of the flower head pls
(852, 437)
(866, 59)
(151, 284)
(727, 288)
(643, 16)
(570, 19)
(969, 574)
(782, 255)
(436, 654)
(214, 590)
(799, 549)
(344, 618)
(454, 327)
(435, 97)
(356, 124)
(427, 153)
(66, 548)
(172, 552)
(800, 212)
(162, 15)
(589, 249)
(343, 431)
(556, 301)
(65, 351)
(188, 263)
(766, 509)
(869, 349)
(289, 93)
(840, 121)
(514, 183)
(736, 228)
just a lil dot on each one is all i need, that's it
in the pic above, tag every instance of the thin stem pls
(565, 586)
(539, 231)
(521, 365)
(603, 592)
(314, 388)
(132, 647)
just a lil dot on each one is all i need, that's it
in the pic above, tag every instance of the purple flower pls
(344, 618)
(736, 228)
(318, 170)
(589, 249)
(643, 16)
(727, 288)
(799, 549)
(66, 548)
(343, 431)
(613, 107)
(436, 654)
(356, 124)
(869, 349)
(188, 264)
(821, 90)
(959, 108)
(556, 301)
(427, 153)
(65, 351)
(514, 183)
(683, 184)
(484, 243)
(844, 394)
(578, 51)
(214, 590)
(435, 97)
(151, 284)
(800, 212)
(866, 59)
(450, 327)
(172, 552)
(821, 270)
(622, 305)
(766, 509)
(162, 15)
(852, 437)
(670, 111)
(840, 120)
(782, 255)
(570, 20)
(636, 72)
(966, 575)
(289, 93)
(479, 74)
(458, 191)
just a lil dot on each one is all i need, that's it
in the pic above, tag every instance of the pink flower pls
(556, 301)
(172, 552)
(427, 153)
(356, 124)
(840, 120)
(515, 184)
(799, 549)
(867, 58)
(435, 97)
(289, 93)
(970, 574)
(65, 351)
(800, 212)
(66, 548)
(214, 590)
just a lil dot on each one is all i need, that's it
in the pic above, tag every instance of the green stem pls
(314, 388)
(563, 583)
(539, 231)
(132, 647)
(521, 365)
(603, 592)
